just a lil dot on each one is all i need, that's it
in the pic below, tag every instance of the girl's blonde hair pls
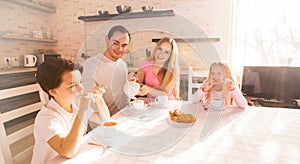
(227, 74)
(170, 69)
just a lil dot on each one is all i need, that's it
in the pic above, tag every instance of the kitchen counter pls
(16, 70)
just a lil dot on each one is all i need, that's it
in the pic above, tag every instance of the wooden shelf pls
(14, 37)
(32, 5)
(129, 15)
(191, 39)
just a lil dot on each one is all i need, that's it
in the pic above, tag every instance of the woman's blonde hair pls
(170, 69)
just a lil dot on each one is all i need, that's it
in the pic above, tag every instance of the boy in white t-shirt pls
(61, 124)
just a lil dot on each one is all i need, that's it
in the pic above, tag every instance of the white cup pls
(217, 104)
(109, 128)
(161, 100)
(137, 104)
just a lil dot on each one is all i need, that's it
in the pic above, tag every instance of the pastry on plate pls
(180, 117)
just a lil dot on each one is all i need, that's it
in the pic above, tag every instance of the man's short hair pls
(120, 28)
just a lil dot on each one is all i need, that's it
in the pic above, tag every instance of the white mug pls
(109, 128)
(30, 60)
(137, 104)
(161, 100)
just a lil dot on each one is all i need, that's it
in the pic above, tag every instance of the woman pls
(160, 72)
(219, 85)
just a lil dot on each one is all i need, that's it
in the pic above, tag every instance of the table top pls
(253, 135)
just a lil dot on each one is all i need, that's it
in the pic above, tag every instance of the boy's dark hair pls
(120, 28)
(49, 73)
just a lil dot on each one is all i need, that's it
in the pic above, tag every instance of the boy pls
(61, 124)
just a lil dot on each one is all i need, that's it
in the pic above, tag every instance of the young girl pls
(61, 124)
(219, 84)
(160, 72)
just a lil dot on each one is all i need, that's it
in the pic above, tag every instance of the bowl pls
(123, 9)
(103, 12)
(147, 8)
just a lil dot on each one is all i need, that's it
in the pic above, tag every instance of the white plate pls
(156, 105)
(179, 125)
(131, 109)
(216, 109)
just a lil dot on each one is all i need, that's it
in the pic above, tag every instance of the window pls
(266, 33)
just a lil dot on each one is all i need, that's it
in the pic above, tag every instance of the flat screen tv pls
(280, 83)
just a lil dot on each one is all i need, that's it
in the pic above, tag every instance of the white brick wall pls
(211, 16)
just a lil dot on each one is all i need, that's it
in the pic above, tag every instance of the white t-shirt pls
(101, 70)
(52, 119)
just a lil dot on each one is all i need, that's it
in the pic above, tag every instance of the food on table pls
(180, 117)
(217, 82)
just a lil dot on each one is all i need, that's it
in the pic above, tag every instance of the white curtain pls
(266, 33)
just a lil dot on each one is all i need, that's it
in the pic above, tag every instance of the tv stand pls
(278, 104)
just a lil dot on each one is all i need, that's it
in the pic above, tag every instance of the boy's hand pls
(99, 90)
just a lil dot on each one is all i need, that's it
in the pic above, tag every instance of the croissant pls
(180, 117)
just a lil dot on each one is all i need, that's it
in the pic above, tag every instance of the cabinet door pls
(16, 80)
(20, 101)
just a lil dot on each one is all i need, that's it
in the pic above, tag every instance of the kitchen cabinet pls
(129, 15)
(20, 100)
(32, 5)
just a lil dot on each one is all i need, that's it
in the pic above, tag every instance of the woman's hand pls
(132, 76)
(144, 90)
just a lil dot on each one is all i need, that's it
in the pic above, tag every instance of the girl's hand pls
(207, 84)
(229, 85)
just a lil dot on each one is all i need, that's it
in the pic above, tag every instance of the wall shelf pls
(13, 37)
(129, 15)
(191, 39)
(32, 5)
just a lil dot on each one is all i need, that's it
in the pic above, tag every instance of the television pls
(271, 82)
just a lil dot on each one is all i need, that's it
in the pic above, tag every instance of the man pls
(109, 69)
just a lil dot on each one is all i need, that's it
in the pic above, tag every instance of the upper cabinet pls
(33, 5)
(129, 15)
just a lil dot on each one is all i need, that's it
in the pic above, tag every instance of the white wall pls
(210, 16)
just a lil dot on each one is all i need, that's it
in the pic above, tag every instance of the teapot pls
(131, 89)
(30, 60)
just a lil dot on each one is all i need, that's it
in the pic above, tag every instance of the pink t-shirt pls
(151, 79)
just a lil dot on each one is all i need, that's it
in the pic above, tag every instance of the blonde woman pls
(219, 83)
(159, 74)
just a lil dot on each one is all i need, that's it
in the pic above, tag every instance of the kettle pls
(131, 89)
(30, 60)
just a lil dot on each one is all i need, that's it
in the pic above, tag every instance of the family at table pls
(97, 89)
